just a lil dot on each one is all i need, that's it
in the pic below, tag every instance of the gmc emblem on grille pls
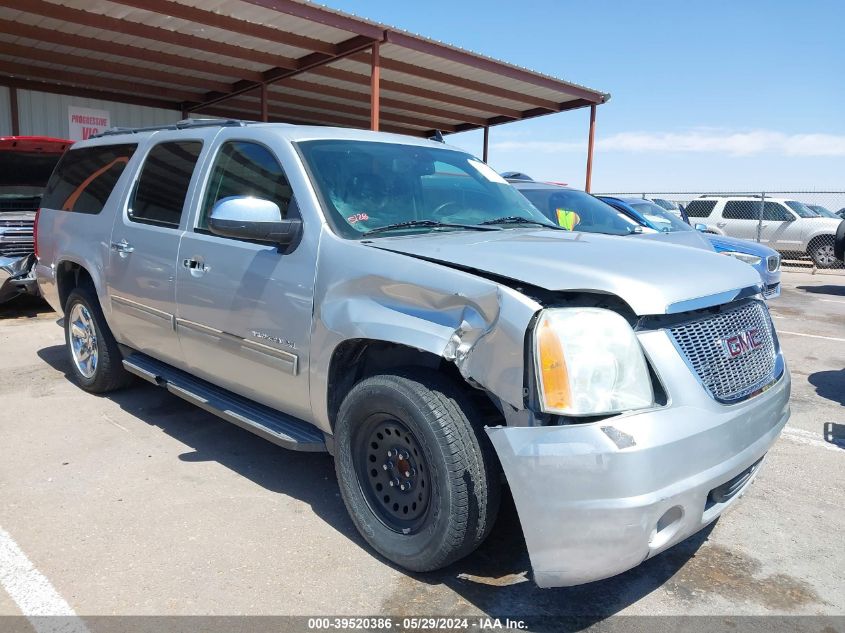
(742, 343)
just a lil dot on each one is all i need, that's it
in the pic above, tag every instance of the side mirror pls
(255, 219)
(701, 227)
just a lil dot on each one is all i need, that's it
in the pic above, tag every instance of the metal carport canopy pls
(285, 60)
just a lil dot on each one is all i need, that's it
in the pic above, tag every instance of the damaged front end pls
(17, 276)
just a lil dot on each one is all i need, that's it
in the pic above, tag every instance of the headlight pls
(744, 257)
(589, 362)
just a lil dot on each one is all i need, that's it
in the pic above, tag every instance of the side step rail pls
(272, 425)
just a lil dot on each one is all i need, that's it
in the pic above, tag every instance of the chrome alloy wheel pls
(83, 340)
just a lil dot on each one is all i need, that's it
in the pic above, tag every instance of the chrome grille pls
(16, 238)
(703, 344)
(773, 263)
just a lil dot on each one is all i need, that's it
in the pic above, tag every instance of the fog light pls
(666, 528)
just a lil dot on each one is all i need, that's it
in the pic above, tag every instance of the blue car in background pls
(764, 259)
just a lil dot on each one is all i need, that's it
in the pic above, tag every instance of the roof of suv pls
(287, 130)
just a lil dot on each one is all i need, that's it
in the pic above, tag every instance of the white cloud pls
(696, 141)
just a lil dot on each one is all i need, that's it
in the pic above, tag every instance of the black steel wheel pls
(416, 471)
(393, 473)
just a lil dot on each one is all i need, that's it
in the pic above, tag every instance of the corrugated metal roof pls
(213, 55)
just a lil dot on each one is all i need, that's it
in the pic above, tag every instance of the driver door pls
(244, 308)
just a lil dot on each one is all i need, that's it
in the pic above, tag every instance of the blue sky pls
(705, 95)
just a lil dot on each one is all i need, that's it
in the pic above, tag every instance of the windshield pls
(669, 205)
(368, 187)
(579, 211)
(802, 209)
(23, 176)
(822, 211)
(661, 218)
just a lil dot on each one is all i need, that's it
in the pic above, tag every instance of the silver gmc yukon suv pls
(393, 301)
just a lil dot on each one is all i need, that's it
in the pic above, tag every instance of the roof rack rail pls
(179, 125)
(732, 195)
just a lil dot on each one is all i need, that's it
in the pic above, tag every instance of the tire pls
(86, 327)
(821, 251)
(839, 242)
(454, 491)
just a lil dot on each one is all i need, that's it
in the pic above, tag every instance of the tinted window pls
(700, 208)
(775, 212)
(802, 209)
(163, 183)
(246, 169)
(84, 178)
(741, 210)
(660, 217)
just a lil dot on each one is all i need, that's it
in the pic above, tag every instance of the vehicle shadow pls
(828, 289)
(24, 306)
(496, 579)
(829, 384)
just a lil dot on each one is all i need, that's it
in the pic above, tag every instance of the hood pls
(693, 239)
(651, 277)
(725, 243)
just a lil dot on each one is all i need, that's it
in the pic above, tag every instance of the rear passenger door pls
(739, 218)
(244, 308)
(144, 245)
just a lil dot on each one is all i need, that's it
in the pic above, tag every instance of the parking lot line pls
(827, 338)
(832, 301)
(32, 592)
(809, 438)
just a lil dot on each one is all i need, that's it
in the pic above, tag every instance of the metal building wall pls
(46, 114)
(5, 112)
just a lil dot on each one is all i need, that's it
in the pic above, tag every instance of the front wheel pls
(416, 473)
(822, 253)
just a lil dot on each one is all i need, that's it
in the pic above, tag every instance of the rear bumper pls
(17, 277)
(597, 499)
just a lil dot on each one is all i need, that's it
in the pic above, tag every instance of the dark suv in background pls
(26, 163)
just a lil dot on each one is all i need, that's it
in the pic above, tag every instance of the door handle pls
(123, 248)
(195, 266)
(721, 224)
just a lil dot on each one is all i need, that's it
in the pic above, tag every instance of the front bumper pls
(597, 499)
(17, 277)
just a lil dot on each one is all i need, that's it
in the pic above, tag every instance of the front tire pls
(95, 358)
(416, 472)
(822, 253)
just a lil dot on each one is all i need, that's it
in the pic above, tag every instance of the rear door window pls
(163, 183)
(741, 210)
(85, 178)
(700, 208)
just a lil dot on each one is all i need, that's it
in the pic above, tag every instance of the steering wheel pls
(438, 211)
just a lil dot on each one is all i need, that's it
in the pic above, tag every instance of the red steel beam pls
(43, 73)
(73, 91)
(18, 29)
(455, 80)
(590, 146)
(229, 23)
(156, 34)
(385, 102)
(414, 91)
(484, 63)
(92, 63)
(375, 88)
(303, 64)
(314, 13)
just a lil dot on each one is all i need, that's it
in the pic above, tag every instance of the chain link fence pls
(806, 227)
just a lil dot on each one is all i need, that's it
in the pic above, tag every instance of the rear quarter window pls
(85, 178)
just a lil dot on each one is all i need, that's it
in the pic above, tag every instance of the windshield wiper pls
(516, 219)
(426, 223)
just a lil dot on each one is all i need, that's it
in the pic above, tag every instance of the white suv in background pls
(788, 226)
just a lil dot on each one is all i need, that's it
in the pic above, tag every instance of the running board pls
(272, 425)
